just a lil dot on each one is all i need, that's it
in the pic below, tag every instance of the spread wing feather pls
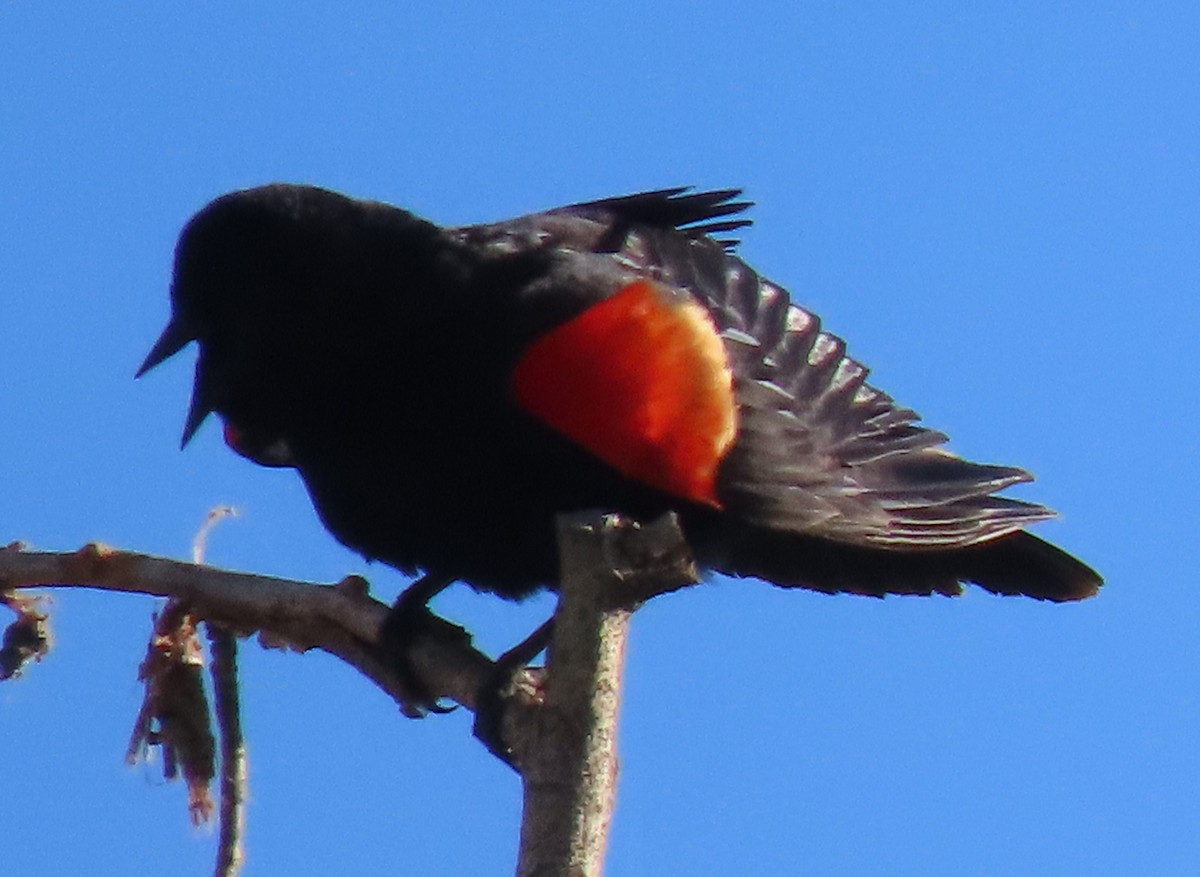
(822, 452)
(819, 451)
(677, 208)
(830, 484)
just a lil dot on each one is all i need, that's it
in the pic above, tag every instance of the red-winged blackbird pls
(445, 393)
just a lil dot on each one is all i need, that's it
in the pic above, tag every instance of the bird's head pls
(248, 286)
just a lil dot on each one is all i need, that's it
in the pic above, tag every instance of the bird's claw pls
(407, 620)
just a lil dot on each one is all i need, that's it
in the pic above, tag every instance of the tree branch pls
(565, 742)
(342, 619)
(567, 749)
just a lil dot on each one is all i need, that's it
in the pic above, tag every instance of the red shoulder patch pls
(642, 381)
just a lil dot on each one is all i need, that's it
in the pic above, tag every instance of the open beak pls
(171, 341)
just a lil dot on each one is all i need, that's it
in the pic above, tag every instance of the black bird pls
(445, 392)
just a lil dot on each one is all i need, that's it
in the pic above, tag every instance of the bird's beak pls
(198, 410)
(196, 414)
(170, 342)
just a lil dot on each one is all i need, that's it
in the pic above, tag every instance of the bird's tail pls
(1016, 564)
(1021, 563)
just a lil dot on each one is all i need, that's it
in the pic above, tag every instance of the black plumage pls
(374, 352)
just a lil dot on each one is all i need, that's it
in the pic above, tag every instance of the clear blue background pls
(996, 205)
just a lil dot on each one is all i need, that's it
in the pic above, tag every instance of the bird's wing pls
(818, 451)
(821, 451)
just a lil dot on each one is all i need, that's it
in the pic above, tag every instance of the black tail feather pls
(1019, 563)
(1024, 564)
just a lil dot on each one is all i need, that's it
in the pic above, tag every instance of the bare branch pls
(342, 619)
(567, 748)
(564, 741)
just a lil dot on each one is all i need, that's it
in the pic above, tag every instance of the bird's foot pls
(409, 619)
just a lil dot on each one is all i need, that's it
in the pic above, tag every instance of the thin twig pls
(228, 713)
(223, 669)
(215, 516)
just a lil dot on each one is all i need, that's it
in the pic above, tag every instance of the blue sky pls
(995, 204)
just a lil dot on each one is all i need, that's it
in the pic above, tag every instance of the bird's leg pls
(496, 689)
(409, 616)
